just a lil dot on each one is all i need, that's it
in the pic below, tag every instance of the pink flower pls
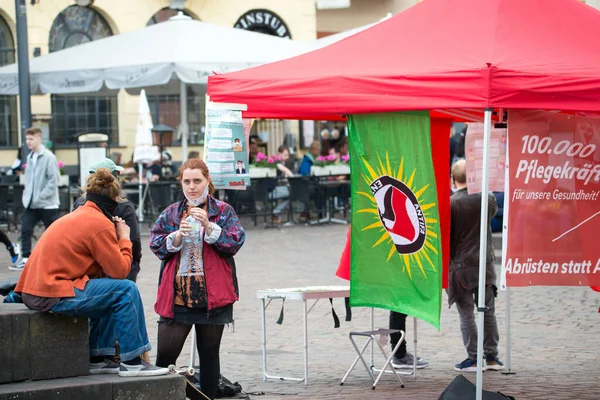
(331, 157)
(276, 158)
(270, 160)
(260, 156)
(61, 164)
(321, 158)
(345, 158)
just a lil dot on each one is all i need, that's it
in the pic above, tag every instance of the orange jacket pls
(79, 246)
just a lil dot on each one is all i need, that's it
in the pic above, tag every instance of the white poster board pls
(87, 157)
(474, 158)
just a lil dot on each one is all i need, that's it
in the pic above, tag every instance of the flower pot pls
(339, 169)
(63, 180)
(335, 169)
(257, 172)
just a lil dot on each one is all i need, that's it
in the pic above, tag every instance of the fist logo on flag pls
(400, 214)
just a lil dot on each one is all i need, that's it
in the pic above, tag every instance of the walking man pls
(464, 271)
(40, 197)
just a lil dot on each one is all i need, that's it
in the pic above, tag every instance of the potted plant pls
(63, 179)
(263, 166)
(328, 165)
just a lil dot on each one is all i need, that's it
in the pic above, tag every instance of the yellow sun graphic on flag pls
(406, 225)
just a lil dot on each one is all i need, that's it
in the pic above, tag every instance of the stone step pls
(37, 346)
(98, 387)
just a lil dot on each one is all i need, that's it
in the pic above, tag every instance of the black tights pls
(171, 338)
(6, 241)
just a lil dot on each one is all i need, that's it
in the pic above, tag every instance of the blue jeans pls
(115, 310)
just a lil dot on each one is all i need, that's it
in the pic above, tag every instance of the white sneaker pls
(142, 369)
(19, 265)
(17, 250)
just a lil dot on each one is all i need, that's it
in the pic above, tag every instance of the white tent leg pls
(184, 121)
(503, 284)
(141, 190)
(508, 350)
(487, 128)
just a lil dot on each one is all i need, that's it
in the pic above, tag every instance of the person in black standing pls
(124, 210)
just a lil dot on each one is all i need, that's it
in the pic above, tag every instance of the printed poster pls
(474, 158)
(226, 147)
(553, 200)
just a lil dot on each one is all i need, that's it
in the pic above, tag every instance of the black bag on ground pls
(463, 389)
(226, 387)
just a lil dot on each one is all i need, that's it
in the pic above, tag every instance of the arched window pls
(9, 125)
(165, 107)
(73, 114)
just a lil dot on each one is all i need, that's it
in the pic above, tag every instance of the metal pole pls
(23, 65)
(183, 127)
(141, 192)
(487, 128)
(508, 371)
(264, 338)
(503, 285)
(305, 343)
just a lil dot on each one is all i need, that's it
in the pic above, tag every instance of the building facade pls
(58, 24)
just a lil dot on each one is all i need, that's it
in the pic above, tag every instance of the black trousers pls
(4, 239)
(171, 338)
(398, 321)
(31, 216)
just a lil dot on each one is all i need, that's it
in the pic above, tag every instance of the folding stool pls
(373, 337)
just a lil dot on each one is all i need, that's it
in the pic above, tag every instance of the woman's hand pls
(123, 230)
(201, 216)
(184, 231)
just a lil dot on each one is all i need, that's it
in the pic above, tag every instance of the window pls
(73, 114)
(165, 107)
(9, 125)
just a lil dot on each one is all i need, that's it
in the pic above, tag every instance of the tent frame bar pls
(487, 128)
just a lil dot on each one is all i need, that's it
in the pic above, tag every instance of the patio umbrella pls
(144, 151)
(179, 49)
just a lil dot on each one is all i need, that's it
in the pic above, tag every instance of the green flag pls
(396, 251)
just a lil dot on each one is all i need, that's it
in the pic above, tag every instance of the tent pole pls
(141, 192)
(487, 128)
(503, 284)
(183, 127)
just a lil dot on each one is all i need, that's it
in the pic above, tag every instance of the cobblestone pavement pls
(555, 330)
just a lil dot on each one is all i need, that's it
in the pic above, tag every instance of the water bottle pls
(194, 236)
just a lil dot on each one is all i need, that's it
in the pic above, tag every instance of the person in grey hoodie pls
(40, 196)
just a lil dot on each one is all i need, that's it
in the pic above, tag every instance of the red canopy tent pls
(448, 56)
(438, 54)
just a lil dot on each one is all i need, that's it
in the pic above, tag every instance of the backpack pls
(227, 388)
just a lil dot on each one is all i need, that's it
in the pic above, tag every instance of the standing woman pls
(197, 282)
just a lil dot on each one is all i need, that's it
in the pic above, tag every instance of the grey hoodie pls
(41, 181)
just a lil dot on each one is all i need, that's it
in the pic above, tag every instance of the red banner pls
(553, 200)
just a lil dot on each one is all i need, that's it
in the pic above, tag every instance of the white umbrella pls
(180, 48)
(144, 151)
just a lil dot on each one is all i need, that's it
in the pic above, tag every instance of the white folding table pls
(314, 293)
(300, 293)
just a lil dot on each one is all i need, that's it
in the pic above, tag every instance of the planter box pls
(336, 169)
(262, 172)
(63, 180)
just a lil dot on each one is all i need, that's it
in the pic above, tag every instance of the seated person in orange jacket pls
(78, 268)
